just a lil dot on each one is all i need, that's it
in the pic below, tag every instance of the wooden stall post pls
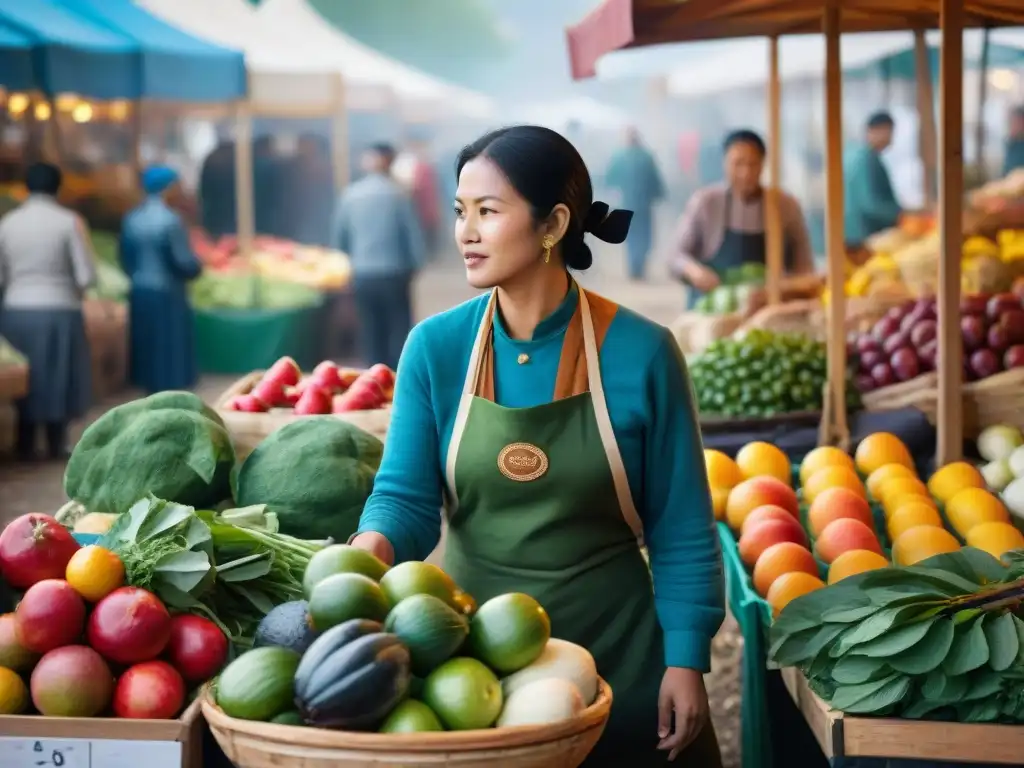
(772, 222)
(339, 136)
(835, 416)
(244, 179)
(951, 177)
(926, 116)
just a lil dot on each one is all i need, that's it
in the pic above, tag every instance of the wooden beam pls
(772, 218)
(836, 247)
(951, 187)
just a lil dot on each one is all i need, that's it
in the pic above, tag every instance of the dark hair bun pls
(578, 256)
(608, 225)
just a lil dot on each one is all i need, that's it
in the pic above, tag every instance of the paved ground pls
(38, 488)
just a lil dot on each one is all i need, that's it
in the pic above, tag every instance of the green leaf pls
(972, 565)
(983, 683)
(896, 640)
(164, 518)
(921, 708)
(893, 692)
(969, 614)
(874, 626)
(915, 579)
(787, 642)
(843, 614)
(983, 711)
(806, 611)
(198, 536)
(929, 653)
(970, 649)
(136, 517)
(245, 568)
(185, 570)
(847, 696)
(173, 597)
(1019, 626)
(1003, 643)
(254, 597)
(855, 670)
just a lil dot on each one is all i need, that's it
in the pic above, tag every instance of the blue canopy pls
(174, 65)
(71, 54)
(15, 60)
(902, 65)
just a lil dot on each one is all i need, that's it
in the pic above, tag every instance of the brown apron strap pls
(572, 376)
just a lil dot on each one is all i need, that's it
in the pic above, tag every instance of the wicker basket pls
(694, 331)
(247, 430)
(998, 399)
(559, 745)
(810, 317)
(921, 393)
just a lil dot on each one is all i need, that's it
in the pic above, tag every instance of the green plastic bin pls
(241, 341)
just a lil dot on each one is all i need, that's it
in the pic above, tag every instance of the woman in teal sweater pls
(560, 430)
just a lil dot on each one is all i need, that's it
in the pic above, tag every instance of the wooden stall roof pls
(619, 24)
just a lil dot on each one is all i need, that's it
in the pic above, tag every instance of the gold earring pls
(547, 244)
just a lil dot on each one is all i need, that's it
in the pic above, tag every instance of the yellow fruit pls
(880, 449)
(995, 538)
(911, 515)
(825, 456)
(94, 572)
(719, 498)
(790, 586)
(13, 693)
(757, 459)
(832, 477)
(722, 471)
(953, 478)
(885, 473)
(908, 498)
(853, 562)
(921, 542)
(893, 489)
(972, 506)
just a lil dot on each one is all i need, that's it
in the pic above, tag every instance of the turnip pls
(997, 442)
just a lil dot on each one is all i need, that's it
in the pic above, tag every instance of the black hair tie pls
(608, 225)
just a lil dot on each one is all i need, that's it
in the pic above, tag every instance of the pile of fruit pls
(328, 389)
(761, 373)
(87, 644)
(903, 345)
(274, 258)
(402, 650)
(734, 291)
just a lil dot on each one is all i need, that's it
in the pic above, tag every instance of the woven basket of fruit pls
(998, 399)
(921, 393)
(263, 401)
(563, 744)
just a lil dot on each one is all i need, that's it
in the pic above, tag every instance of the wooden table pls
(850, 736)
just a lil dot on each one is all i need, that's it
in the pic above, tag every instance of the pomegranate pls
(129, 625)
(33, 548)
(51, 614)
(152, 690)
(73, 681)
(14, 655)
(197, 648)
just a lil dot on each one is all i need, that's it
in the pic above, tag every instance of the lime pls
(411, 716)
(341, 558)
(508, 632)
(345, 596)
(417, 578)
(464, 693)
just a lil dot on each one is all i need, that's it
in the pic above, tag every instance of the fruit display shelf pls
(564, 744)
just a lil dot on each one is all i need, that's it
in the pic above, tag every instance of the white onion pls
(1016, 462)
(997, 474)
(999, 441)
(1013, 497)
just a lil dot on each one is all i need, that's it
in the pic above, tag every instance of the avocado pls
(286, 626)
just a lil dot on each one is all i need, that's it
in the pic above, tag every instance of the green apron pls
(539, 502)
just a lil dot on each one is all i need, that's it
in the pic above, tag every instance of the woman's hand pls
(702, 277)
(376, 545)
(682, 694)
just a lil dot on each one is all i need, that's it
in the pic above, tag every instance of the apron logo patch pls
(522, 462)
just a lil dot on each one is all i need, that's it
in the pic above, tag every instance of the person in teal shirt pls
(870, 202)
(634, 173)
(1014, 157)
(559, 431)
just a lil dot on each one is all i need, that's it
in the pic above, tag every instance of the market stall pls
(621, 23)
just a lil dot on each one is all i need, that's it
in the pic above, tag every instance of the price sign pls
(88, 753)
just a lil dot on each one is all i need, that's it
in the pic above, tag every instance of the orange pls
(757, 459)
(834, 503)
(832, 477)
(853, 562)
(892, 489)
(995, 538)
(973, 506)
(757, 492)
(921, 542)
(94, 572)
(790, 586)
(779, 559)
(825, 456)
(722, 471)
(953, 478)
(910, 498)
(877, 478)
(910, 515)
(880, 449)
(719, 498)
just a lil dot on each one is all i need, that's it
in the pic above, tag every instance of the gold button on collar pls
(523, 359)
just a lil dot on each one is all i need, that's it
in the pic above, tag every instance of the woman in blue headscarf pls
(157, 257)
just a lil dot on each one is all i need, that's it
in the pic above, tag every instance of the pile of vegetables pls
(400, 650)
(762, 373)
(240, 290)
(733, 293)
(1002, 446)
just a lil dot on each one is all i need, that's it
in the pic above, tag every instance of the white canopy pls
(744, 64)
(420, 95)
(584, 111)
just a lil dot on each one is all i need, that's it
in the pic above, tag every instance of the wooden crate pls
(247, 430)
(94, 742)
(106, 325)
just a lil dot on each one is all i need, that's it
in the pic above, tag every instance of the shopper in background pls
(634, 173)
(159, 262)
(46, 265)
(871, 204)
(375, 223)
(1014, 157)
(414, 171)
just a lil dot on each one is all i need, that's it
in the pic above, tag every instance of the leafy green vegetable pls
(245, 290)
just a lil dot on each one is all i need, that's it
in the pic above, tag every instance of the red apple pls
(998, 338)
(898, 340)
(286, 371)
(923, 332)
(972, 328)
(248, 404)
(928, 354)
(1013, 321)
(270, 392)
(313, 401)
(904, 364)
(1014, 357)
(870, 359)
(885, 328)
(867, 342)
(985, 363)
(325, 376)
(1000, 303)
(883, 375)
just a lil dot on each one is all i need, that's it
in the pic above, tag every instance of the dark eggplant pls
(356, 685)
(330, 641)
